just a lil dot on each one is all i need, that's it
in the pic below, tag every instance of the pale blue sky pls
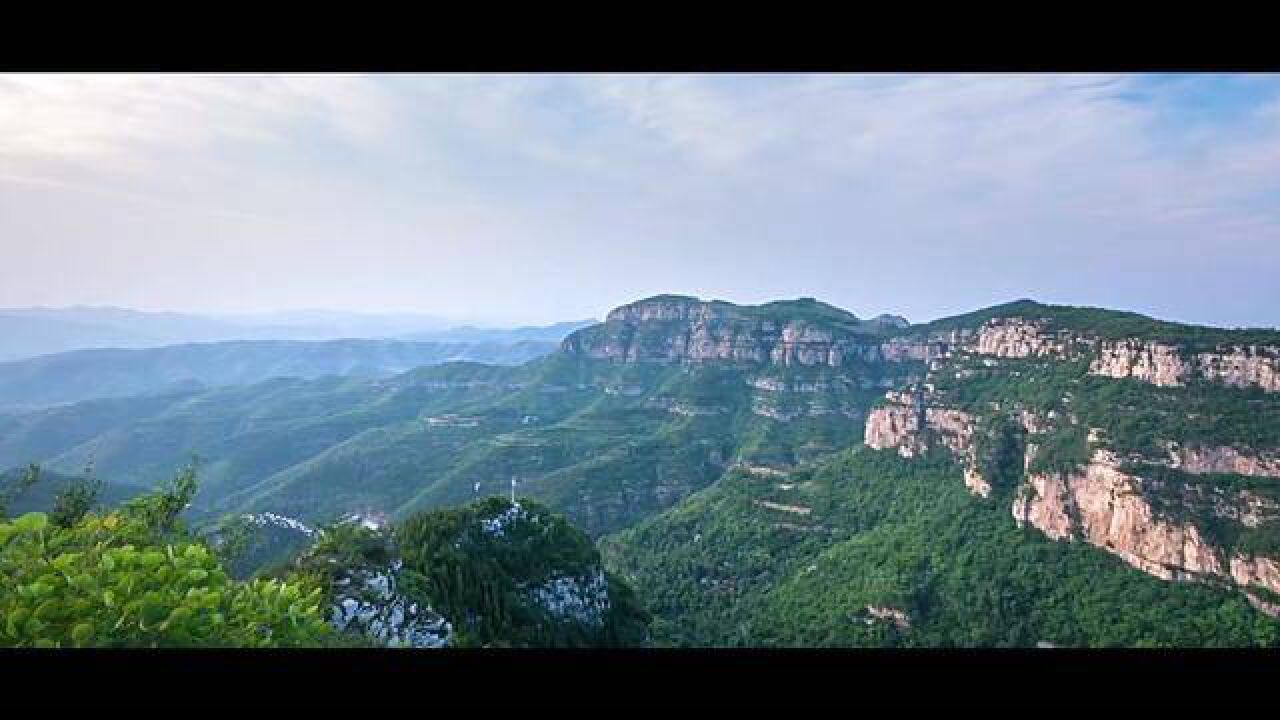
(535, 198)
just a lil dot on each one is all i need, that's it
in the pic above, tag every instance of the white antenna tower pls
(513, 489)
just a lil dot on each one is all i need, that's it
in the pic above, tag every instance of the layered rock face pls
(1100, 503)
(1017, 338)
(896, 424)
(1243, 367)
(677, 329)
(1157, 363)
(1106, 507)
(1166, 366)
(1224, 460)
(1259, 571)
(1104, 501)
(899, 349)
(1153, 363)
(1152, 520)
(911, 426)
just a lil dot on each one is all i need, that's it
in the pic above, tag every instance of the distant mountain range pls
(469, 334)
(790, 474)
(102, 373)
(29, 332)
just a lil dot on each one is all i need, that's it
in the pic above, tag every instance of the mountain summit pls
(789, 473)
(676, 328)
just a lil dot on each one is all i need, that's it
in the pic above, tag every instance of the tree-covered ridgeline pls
(137, 575)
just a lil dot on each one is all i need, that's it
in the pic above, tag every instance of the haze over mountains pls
(115, 352)
(340, 437)
(789, 473)
(102, 373)
(30, 332)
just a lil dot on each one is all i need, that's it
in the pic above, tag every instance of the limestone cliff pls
(1108, 507)
(795, 333)
(1155, 522)
(1159, 363)
(1018, 338)
(1155, 363)
(910, 425)
(1243, 367)
(896, 424)
(1107, 502)
(1201, 459)
(1168, 366)
(992, 387)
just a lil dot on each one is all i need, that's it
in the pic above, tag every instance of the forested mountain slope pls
(604, 439)
(1154, 443)
(791, 474)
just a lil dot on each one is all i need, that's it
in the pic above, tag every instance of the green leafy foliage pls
(130, 578)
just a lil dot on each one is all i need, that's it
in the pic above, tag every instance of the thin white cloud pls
(843, 168)
(108, 115)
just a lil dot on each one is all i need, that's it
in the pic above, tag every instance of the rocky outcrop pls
(1035, 423)
(895, 617)
(583, 599)
(1166, 366)
(1153, 363)
(369, 601)
(1015, 337)
(1105, 506)
(1249, 572)
(1042, 503)
(908, 424)
(1242, 367)
(681, 329)
(896, 424)
(1201, 460)
(900, 349)
(976, 482)
(953, 429)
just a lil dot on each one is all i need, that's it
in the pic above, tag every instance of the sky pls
(513, 199)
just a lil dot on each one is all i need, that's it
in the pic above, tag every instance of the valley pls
(788, 473)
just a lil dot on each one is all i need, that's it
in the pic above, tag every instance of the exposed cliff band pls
(798, 333)
(1105, 506)
(1152, 362)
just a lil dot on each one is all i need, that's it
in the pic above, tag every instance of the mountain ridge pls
(767, 428)
(116, 372)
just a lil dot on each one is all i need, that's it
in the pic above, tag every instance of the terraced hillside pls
(791, 474)
(1060, 475)
(603, 439)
